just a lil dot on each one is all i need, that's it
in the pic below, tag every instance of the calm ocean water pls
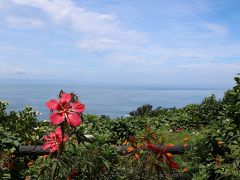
(114, 101)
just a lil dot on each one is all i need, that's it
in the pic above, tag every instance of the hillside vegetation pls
(210, 132)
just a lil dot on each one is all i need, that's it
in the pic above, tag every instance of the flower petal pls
(58, 133)
(78, 107)
(46, 145)
(53, 104)
(65, 98)
(74, 119)
(52, 136)
(47, 138)
(54, 148)
(57, 118)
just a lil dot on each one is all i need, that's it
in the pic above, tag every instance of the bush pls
(216, 155)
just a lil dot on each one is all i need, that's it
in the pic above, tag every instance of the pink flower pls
(65, 109)
(53, 140)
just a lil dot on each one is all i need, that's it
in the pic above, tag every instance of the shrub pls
(216, 155)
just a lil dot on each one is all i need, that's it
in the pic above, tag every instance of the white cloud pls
(9, 69)
(182, 35)
(99, 32)
(9, 49)
(123, 41)
(219, 67)
(108, 40)
(18, 71)
(125, 59)
(2, 5)
(65, 11)
(97, 44)
(217, 28)
(22, 22)
(93, 45)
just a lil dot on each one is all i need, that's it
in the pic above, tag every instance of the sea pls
(112, 100)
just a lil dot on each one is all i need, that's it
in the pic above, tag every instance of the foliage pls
(22, 124)
(144, 110)
(98, 158)
(94, 160)
(205, 113)
(210, 129)
(231, 102)
(190, 116)
(15, 128)
(149, 157)
(217, 153)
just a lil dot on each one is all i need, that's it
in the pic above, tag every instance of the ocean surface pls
(112, 100)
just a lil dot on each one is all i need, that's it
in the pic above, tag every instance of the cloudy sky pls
(164, 42)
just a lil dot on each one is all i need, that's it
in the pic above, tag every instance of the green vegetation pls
(210, 131)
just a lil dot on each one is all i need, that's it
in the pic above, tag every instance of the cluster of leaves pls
(16, 128)
(22, 124)
(190, 116)
(8, 144)
(95, 160)
(217, 155)
(149, 157)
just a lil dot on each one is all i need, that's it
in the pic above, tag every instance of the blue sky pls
(163, 42)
